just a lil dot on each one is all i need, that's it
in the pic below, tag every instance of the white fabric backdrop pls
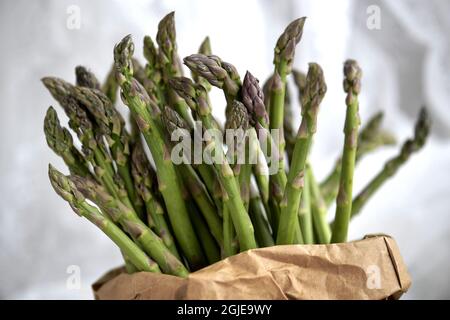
(406, 63)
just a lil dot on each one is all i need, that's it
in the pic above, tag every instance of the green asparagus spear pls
(410, 146)
(146, 113)
(283, 60)
(112, 126)
(209, 245)
(370, 138)
(172, 122)
(289, 132)
(238, 123)
(153, 73)
(217, 72)
(170, 64)
(352, 86)
(60, 141)
(151, 54)
(76, 101)
(85, 78)
(208, 242)
(314, 93)
(195, 97)
(166, 39)
(79, 121)
(143, 176)
(305, 211)
(253, 98)
(256, 211)
(230, 246)
(205, 49)
(127, 218)
(110, 86)
(68, 191)
(318, 210)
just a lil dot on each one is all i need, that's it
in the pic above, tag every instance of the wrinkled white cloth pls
(406, 64)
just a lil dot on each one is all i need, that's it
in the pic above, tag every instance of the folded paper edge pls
(402, 275)
(404, 280)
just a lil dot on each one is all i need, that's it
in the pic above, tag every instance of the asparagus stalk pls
(256, 211)
(151, 54)
(319, 210)
(210, 248)
(153, 72)
(289, 133)
(146, 114)
(230, 246)
(238, 124)
(266, 92)
(288, 128)
(195, 96)
(172, 122)
(146, 79)
(208, 242)
(352, 86)
(410, 146)
(370, 138)
(217, 73)
(283, 59)
(170, 64)
(110, 86)
(65, 188)
(314, 93)
(304, 212)
(130, 222)
(253, 98)
(144, 176)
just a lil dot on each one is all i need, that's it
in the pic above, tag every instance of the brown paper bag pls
(371, 268)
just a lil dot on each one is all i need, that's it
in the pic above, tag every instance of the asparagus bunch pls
(172, 209)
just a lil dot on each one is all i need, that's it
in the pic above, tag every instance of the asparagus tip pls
(353, 74)
(238, 117)
(123, 53)
(64, 187)
(253, 99)
(285, 47)
(205, 46)
(172, 120)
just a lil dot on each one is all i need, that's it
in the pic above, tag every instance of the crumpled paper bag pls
(371, 268)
